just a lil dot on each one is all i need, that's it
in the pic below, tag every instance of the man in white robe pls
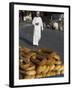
(38, 26)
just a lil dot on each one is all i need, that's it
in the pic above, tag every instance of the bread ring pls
(44, 75)
(36, 61)
(32, 72)
(61, 68)
(55, 56)
(25, 50)
(48, 74)
(39, 63)
(24, 66)
(46, 70)
(51, 73)
(57, 67)
(31, 68)
(33, 57)
(29, 77)
(58, 62)
(41, 68)
(58, 73)
(40, 57)
(44, 50)
(22, 55)
(50, 61)
(31, 54)
(62, 72)
(43, 62)
(51, 67)
(26, 60)
(39, 75)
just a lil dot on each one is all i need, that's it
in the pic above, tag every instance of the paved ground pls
(50, 39)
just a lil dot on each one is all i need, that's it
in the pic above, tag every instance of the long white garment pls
(38, 26)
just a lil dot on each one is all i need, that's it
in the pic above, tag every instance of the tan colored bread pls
(62, 72)
(25, 50)
(43, 62)
(39, 75)
(51, 73)
(46, 70)
(55, 56)
(58, 73)
(51, 67)
(57, 67)
(41, 68)
(29, 77)
(32, 72)
(61, 68)
(24, 66)
(30, 68)
(39, 64)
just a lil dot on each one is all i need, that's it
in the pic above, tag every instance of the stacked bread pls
(39, 64)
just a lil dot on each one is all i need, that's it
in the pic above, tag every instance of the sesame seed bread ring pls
(30, 68)
(39, 75)
(41, 68)
(58, 62)
(58, 73)
(55, 56)
(51, 67)
(51, 61)
(62, 72)
(61, 68)
(51, 73)
(32, 72)
(57, 67)
(47, 69)
(36, 61)
(25, 50)
(29, 77)
(43, 62)
(44, 75)
(24, 66)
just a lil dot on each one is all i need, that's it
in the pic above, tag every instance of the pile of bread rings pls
(39, 64)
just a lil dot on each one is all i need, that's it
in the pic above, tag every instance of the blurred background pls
(52, 20)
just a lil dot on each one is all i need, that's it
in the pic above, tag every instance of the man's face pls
(37, 14)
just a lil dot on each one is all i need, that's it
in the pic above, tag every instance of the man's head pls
(37, 13)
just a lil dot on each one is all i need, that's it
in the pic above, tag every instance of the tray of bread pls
(41, 63)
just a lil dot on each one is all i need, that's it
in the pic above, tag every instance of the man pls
(38, 26)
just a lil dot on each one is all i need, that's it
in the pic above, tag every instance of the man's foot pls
(35, 44)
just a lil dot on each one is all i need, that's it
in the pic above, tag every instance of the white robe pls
(37, 30)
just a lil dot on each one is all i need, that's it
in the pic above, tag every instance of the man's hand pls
(36, 23)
